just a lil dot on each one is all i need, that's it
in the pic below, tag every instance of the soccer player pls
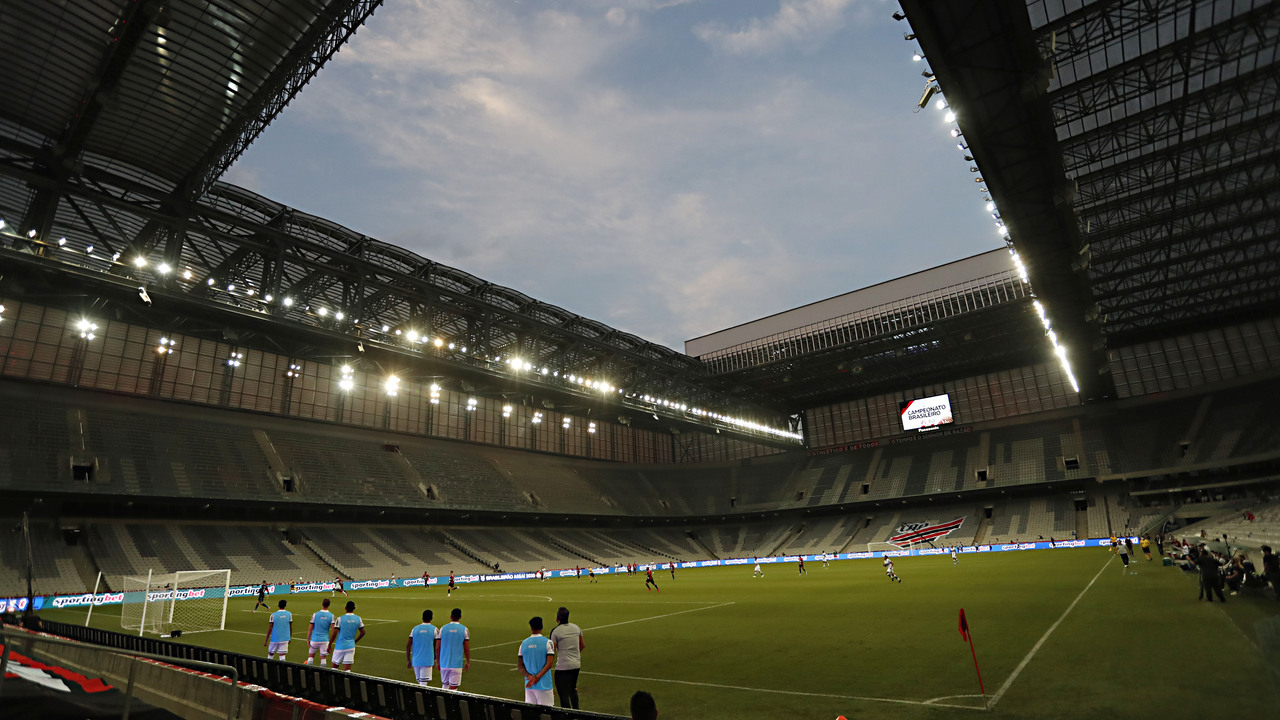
(591, 575)
(454, 656)
(337, 588)
(534, 659)
(1146, 546)
(347, 631)
(421, 650)
(955, 556)
(262, 596)
(426, 578)
(826, 559)
(758, 572)
(648, 579)
(451, 585)
(279, 630)
(1123, 552)
(673, 570)
(318, 634)
(542, 574)
(802, 571)
(888, 570)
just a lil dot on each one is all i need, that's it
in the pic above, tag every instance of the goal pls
(187, 600)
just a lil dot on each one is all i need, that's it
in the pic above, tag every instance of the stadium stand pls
(56, 565)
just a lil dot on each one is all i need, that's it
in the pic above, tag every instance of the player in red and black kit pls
(426, 578)
(648, 580)
(451, 585)
(673, 570)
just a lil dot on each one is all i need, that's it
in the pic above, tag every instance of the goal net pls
(882, 547)
(187, 600)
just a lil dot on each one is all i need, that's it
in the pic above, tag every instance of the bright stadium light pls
(209, 282)
(471, 404)
(166, 346)
(434, 394)
(86, 328)
(138, 261)
(288, 301)
(186, 274)
(506, 411)
(949, 117)
(537, 418)
(324, 311)
(163, 268)
(591, 428)
(437, 342)
(412, 336)
(565, 423)
(391, 386)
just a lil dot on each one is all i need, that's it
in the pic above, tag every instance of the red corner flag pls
(964, 627)
(964, 633)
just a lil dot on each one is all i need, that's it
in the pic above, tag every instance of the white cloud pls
(530, 148)
(801, 23)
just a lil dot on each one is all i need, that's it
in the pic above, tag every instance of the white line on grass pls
(1018, 670)
(464, 596)
(775, 691)
(625, 622)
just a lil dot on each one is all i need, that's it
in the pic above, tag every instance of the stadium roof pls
(1131, 149)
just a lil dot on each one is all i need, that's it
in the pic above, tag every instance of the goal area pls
(187, 600)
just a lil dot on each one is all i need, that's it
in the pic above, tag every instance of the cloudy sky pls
(668, 167)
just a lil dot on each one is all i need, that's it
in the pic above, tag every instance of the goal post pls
(199, 600)
(187, 600)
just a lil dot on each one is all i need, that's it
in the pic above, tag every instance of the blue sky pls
(669, 168)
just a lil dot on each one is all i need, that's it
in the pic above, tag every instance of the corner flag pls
(968, 637)
(964, 627)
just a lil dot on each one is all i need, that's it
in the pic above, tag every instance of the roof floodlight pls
(231, 287)
(138, 261)
(209, 282)
(267, 297)
(917, 57)
(438, 342)
(949, 117)
(186, 274)
(288, 301)
(62, 241)
(940, 103)
(164, 268)
(323, 311)
(88, 250)
(955, 132)
(385, 328)
(31, 233)
(339, 315)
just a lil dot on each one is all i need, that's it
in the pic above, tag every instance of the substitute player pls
(888, 570)
(534, 659)
(422, 648)
(318, 634)
(454, 656)
(279, 630)
(347, 631)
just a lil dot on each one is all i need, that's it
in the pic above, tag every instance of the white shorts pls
(344, 657)
(321, 645)
(422, 673)
(450, 677)
(278, 648)
(537, 697)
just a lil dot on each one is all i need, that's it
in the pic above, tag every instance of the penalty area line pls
(995, 698)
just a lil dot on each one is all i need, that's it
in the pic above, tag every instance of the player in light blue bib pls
(318, 633)
(422, 648)
(534, 660)
(347, 631)
(279, 630)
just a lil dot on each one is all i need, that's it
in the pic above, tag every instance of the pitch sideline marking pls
(995, 698)
(624, 622)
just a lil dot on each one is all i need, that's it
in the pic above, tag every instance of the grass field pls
(1058, 634)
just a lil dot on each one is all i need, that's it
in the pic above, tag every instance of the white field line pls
(995, 698)
(624, 622)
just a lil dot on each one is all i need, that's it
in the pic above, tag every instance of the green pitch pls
(1059, 634)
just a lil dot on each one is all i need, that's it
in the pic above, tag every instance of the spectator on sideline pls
(534, 659)
(569, 644)
(279, 630)
(1210, 575)
(643, 707)
(318, 634)
(454, 656)
(422, 649)
(347, 631)
(1271, 569)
